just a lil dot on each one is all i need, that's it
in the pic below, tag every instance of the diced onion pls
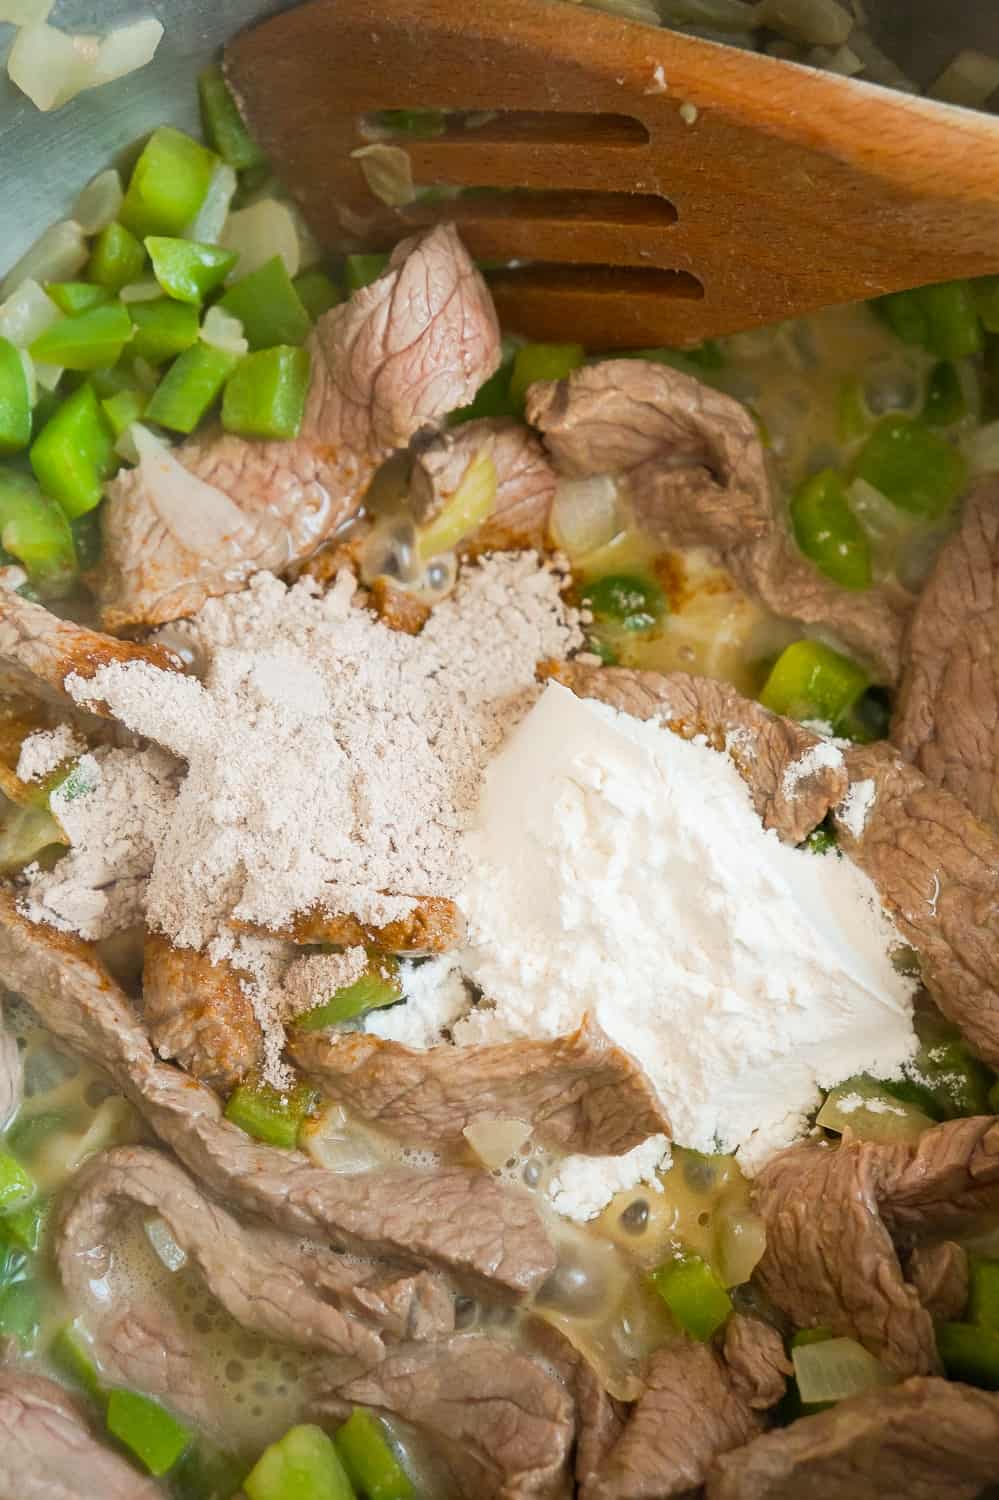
(100, 202)
(726, 15)
(882, 521)
(125, 50)
(51, 67)
(25, 12)
(142, 291)
(173, 1256)
(822, 23)
(871, 1113)
(841, 60)
(981, 449)
(260, 232)
(223, 331)
(971, 80)
(388, 172)
(26, 314)
(742, 1239)
(495, 1141)
(211, 218)
(56, 256)
(834, 1369)
(585, 514)
(338, 1143)
(64, 1151)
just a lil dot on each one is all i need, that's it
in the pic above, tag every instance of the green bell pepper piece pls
(953, 327)
(269, 1114)
(491, 399)
(378, 988)
(983, 1292)
(626, 600)
(854, 419)
(117, 259)
(812, 681)
(945, 1080)
(21, 1312)
(420, 124)
(268, 306)
(207, 1473)
(186, 270)
(16, 1185)
(970, 1353)
(15, 401)
(828, 532)
(265, 397)
(74, 453)
(163, 329)
(72, 297)
(86, 342)
(693, 1294)
(362, 270)
(26, 1227)
(71, 1351)
(986, 294)
(223, 125)
(88, 539)
(542, 362)
(191, 385)
(35, 530)
(916, 469)
(904, 314)
(168, 184)
(147, 1429)
(317, 293)
(303, 1465)
(371, 1466)
(124, 409)
(945, 402)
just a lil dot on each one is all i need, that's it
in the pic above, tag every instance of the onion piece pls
(260, 232)
(871, 1113)
(495, 1141)
(57, 255)
(970, 80)
(51, 67)
(141, 291)
(842, 60)
(742, 1239)
(125, 50)
(339, 1144)
(834, 1369)
(820, 23)
(388, 172)
(211, 218)
(585, 514)
(25, 12)
(725, 15)
(223, 331)
(26, 314)
(172, 1255)
(100, 202)
(981, 449)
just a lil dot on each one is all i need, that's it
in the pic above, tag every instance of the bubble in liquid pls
(634, 1219)
(532, 1174)
(234, 1370)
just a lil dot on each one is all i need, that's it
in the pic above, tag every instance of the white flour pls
(44, 752)
(817, 758)
(856, 805)
(436, 996)
(583, 1185)
(312, 980)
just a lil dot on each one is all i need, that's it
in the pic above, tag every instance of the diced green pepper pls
(822, 840)
(534, 362)
(269, 1114)
(14, 1264)
(371, 1466)
(812, 681)
(207, 1473)
(265, 397)
(88, 540)
(191, 385)
(904, 314)
(970, 1353)
(16, 1185)
(163, 329)
(223, 124)
(35, 530)
(86, 342)
(953, 327)
(916, 469)
(268, 306)
(828, 532)
(317, 292)
(147, 1429)
(378, 988)
(945, 402)
(21, 1312)
(72, 297)
(71, 1351)
(74, 453)
(15, 401)
(420, 124)
(303, 1465)
(945, 1080)
(168, 184)
(362, 270)
(26, 1227)
(854, 418)
(983, 1292)
(124, 409)
(626, 600)
(986, 294)
(186, 270)
(118, 258)
(491, 399)
(693, 1294)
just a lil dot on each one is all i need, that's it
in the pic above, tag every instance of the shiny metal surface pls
(46, 158)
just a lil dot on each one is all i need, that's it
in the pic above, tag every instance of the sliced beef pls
(940, 1275)
(600, 1419)
(944, 1182)
(11, 1077)
(697, 474)
(463, 1221)
(48, 1452)
(829, 1259)
(922, 1440)
(197, 1012)
(579, 1092)
(936, 869)
(947, 715)
(525, 480)
(502, 1426)
(38, 650)
(757, 1364)
(402, 353)
(773, 755)
(689, 1413)
(435, 925)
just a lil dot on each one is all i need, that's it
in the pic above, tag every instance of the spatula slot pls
(599, 281)
(638, 210)
(516, 127)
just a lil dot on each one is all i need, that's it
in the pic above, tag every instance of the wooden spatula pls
(652, 188)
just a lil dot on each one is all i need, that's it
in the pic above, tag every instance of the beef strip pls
(579, 1092)
(947, 714)
(501, 1424)
(462, 1221)
(404, 351)
(922, 1440)
(690, 1413)
(829, 1259)
(11, 1077)
(601, 1422)
(47, 1451)
(525, 481)
(940, 1275)
(763, 747)
(435, 925)
(197, 1012)
(936, 869)
(757, 1364)
(943, 1182)
(38, 650)
(697, 474)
